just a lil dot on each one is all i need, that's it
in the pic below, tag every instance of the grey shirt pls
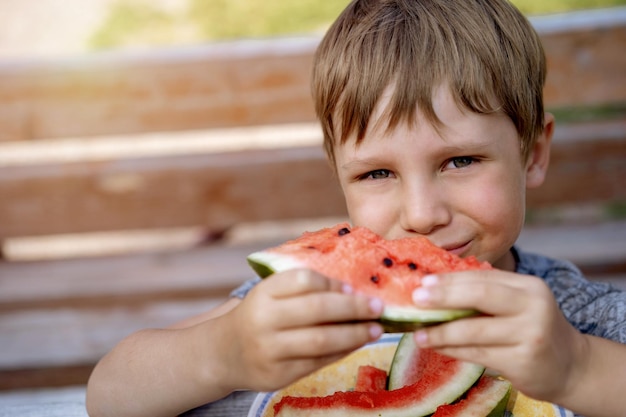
(592, 307)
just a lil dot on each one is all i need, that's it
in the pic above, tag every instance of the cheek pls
(498, 205)
(368, 210)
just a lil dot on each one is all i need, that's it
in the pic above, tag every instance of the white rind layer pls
(275, 261)
(413, 314)
(484, 402)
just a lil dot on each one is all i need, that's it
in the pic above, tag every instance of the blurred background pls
(148, 146)
(50, 27)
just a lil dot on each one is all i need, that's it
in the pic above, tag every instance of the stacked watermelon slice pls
(421, 382)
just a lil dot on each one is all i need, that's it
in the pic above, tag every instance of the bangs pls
(415, 47)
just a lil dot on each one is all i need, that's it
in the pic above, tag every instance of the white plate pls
(341, 376)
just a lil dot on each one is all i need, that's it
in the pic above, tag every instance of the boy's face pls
(461, 185)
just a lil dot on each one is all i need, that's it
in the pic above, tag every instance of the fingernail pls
(421, 338)
(376, 305)
(430, 280)
(375, 331)
(421, 295)
(347, 289)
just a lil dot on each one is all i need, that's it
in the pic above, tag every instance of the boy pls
(433, 120)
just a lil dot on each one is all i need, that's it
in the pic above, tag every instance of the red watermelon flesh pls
(409, 401)
(388, 269)
(434, 380)
(440, 378)
(488, 398)
(370, 379)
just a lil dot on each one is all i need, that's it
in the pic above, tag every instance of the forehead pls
(450, 120)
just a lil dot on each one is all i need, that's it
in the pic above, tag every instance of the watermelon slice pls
(432, 380)
(388, 269)
(488, 398)
(439, 378)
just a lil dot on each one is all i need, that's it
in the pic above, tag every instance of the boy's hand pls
(292, 324)
(523, 334)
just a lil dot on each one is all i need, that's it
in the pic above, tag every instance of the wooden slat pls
(56, 347)
(219, 190)
(599, 249)
(231, 84)
(67, 401)
(256, 82)
(587, 163)
(213, 270)
(22, 385)
(213, 190)
(584, 68)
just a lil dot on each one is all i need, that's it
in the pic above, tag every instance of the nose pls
(424, 209)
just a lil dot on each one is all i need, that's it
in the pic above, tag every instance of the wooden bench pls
(153, 143)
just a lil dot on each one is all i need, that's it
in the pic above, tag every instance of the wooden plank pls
(59, 397)
(256, 82)
(37, 338)
(587, 163)
(198, 272)
(59, 347)
(599, 249)
(583, 66)
(211, 190)
(216, 85)
(219, 190)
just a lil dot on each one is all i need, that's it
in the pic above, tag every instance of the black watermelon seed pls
(375, 279)
(412, 266)
(311, 247)
(388, 262)
(343, 231)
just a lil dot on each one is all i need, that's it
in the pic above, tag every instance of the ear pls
(539, 158)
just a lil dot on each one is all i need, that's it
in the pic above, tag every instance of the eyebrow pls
(473, 144)
(362, 162)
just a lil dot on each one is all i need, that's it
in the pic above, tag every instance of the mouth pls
(457, 248)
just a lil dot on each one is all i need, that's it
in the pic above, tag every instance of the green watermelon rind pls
(266, 263)
(466, 377)
(500, 409)
(488, 401)
(394, 319)
(400, 319)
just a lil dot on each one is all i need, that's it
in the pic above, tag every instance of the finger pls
(294, 369)
(324, 307)
(475, 331)
(501, 356)
(480, 276)
(496, 358)
(488, 296)
(299, 281)
(321, 341)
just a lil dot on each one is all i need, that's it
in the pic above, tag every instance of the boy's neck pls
(508, 262)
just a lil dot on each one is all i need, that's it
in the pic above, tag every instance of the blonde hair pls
(486, 51)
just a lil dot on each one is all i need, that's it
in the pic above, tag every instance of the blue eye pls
(460, 162)
(378, 174)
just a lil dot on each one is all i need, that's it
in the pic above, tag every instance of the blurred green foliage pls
(141, 22)
(552, 6)
(223, 19)
(610, 111)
